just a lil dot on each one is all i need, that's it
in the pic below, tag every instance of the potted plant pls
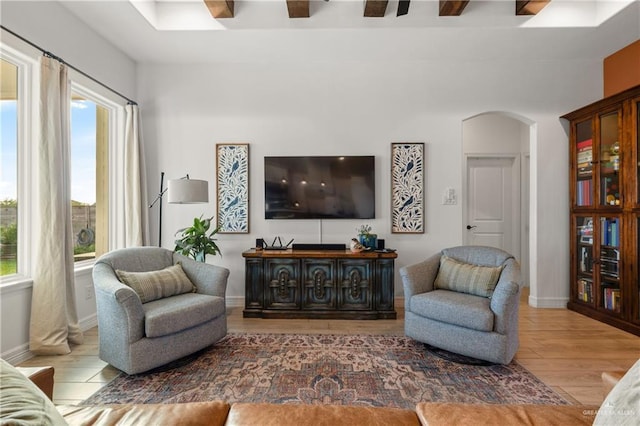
(366, 238)
(196, 241)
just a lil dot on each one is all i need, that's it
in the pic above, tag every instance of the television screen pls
(340, 187)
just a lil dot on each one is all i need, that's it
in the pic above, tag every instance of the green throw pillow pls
(155, 285)
(467, 278)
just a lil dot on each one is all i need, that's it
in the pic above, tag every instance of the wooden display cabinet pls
(605, 210)
(319, 284)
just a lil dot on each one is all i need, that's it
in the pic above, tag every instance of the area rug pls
(365, 370)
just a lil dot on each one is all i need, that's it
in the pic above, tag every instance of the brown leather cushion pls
(212, 413)
(318, 415)
(42, 377)
(475, 414)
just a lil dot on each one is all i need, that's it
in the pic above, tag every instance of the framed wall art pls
(407, 188)
(232, 188)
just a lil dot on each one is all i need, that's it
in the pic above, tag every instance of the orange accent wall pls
(622, 69)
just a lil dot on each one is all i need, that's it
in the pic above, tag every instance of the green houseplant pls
(197, 241)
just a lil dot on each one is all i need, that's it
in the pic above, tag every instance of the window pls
(8, 168)
(89, 147)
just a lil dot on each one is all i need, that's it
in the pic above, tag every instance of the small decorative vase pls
(370, 241)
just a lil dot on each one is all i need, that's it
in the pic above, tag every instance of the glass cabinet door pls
(584, 166)
(609, 263)
(584, 245)
(610, 160)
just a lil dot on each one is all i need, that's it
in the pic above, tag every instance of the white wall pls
(59, 32)
(360, 108)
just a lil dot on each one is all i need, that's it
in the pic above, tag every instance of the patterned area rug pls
(391, 371)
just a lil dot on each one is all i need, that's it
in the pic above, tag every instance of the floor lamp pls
(180, 191)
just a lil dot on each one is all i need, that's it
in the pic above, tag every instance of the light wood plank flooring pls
(565, 350)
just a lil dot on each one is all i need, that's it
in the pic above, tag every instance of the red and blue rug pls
(390, 371)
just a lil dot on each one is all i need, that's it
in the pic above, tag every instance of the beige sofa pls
(222, 413)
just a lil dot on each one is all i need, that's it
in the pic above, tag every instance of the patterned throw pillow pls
(155, 285)
(467, 278)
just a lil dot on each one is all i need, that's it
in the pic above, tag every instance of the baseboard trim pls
(548, 302)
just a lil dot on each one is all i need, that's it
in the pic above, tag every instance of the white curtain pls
(54, 318)
(136, 212)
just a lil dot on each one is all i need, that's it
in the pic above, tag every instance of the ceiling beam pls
(220, 8)
(452, 7)
(375, 8)
(298, 8)
(530, 7)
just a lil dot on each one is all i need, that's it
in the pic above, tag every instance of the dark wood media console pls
(330, 284)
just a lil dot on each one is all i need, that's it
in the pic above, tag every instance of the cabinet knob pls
(471, 227)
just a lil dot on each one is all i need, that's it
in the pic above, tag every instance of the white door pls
(493, 203)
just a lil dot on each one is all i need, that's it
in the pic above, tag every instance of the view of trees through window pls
(86, 123)
(8, 168)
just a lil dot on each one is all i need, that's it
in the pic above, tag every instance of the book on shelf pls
(611, 299)
(583, 192)
(586, 144)
(610, 232)
(585, 288)
(586, 263)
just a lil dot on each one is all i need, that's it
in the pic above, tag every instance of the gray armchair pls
(485, 328)
(136, 337)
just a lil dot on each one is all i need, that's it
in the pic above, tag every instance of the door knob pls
(471, 227)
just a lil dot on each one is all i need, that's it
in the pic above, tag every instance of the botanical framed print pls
(407, 188)
(232, 188)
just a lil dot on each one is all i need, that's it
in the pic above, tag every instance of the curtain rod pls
(51, 55)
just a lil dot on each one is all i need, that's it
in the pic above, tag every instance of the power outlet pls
(88, 292)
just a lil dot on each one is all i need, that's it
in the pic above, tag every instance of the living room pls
(332, 91)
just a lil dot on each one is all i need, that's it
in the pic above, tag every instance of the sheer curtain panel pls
(135, 199)
(54, 317)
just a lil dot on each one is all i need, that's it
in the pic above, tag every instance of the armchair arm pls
(419, 277)
(209, 279)
(505, 300)
(119, 304)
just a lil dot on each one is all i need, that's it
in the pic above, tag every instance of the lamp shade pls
(188, 191)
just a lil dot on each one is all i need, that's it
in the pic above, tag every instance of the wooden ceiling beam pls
(530, 7)
(220, 8)
(452, 7)
(298, 8)
(375, 8)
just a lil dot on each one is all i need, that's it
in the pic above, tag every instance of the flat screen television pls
(337, 187)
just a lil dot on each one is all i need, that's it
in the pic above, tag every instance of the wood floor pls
(565, 350)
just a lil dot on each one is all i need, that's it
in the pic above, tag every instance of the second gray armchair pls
(473, 321)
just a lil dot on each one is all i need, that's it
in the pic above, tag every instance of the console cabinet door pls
(355, 281)
(319, 284)
(282, 284)
(384, 283)
(254, 294)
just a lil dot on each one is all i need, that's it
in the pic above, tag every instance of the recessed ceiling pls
(183, 31)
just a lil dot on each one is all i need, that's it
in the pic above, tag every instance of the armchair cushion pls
(467, 278)
(470, 311)
(177, 313)
(154, 285)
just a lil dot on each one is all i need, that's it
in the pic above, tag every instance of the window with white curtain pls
(96, 119)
